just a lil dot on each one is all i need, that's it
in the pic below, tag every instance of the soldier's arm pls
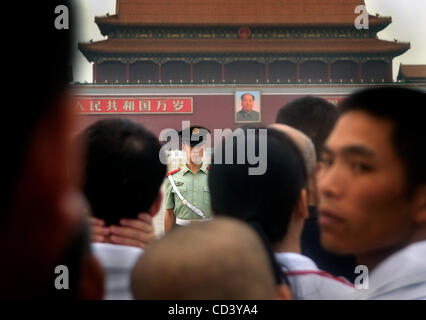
(169, 216)
(169, 220)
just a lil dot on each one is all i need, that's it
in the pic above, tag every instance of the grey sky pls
(408, 25)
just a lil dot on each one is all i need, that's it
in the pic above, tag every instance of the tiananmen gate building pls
(165, 61)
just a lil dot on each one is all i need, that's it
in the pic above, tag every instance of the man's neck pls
(288, 244)
(373, 258)
(292, 240)
(194, 167)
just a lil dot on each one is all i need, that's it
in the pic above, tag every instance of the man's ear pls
(155, 207)
(301, 208)
(419, 203)
(283, 292)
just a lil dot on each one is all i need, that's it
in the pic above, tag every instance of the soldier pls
(187, 194)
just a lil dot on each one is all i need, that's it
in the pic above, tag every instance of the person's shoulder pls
(240, 115)
(254, 115)
(173, 172)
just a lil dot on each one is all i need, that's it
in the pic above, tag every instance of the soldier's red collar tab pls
(174, 171)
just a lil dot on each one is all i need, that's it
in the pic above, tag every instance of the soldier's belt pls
(182, 222)
(185, 202)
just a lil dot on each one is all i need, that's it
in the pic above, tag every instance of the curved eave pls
(192, 47)
(379, 23)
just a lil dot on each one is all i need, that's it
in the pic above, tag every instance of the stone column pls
(359, 76)
(191, 71)
(95, 72)
(297, 71)
(328, 71)
(159, 72)
(266, 71)
(127, 72)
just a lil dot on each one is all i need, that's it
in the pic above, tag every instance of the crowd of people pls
(344, 188)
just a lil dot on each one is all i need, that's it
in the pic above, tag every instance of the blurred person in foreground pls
(372, 191)
(221, 259)
(316, 117)
(274, 203)
(42, 224)
(320, 281)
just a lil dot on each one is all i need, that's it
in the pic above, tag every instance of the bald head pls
(219, 259)
(304, 144)
(307, 148)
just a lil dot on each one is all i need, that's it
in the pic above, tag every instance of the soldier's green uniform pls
(193, 188)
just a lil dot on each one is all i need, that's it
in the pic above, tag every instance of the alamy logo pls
(247, 144)
(361, 281)
(361, 21)
(62, 280)
(62, 20)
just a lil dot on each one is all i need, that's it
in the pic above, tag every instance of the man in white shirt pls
(315, 117)
(123, 175)
(372, 190)
(118, 262)
(306, 279)
(274, 203)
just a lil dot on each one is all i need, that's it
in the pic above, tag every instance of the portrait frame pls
(257, 105)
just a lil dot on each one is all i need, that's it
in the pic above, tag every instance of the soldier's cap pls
(194, 135)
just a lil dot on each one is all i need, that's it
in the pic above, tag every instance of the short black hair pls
(314, 116)
(123, 172)
(266, 200)
(244, 94)
(404, 107)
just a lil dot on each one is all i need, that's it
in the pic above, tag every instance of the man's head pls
(53, 70)
(247, 102)
(314, 116)
(307, 150)
(195, 139)
(123, 172)
(220, 259)
(268, 199)
(372, 183)
(39, 216)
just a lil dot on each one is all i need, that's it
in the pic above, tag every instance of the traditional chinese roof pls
(238, 46)
(237, 13)
(412, 72)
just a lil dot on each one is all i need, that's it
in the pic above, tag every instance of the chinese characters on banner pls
(132, 105)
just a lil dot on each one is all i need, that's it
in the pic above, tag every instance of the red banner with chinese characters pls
(132, 105)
